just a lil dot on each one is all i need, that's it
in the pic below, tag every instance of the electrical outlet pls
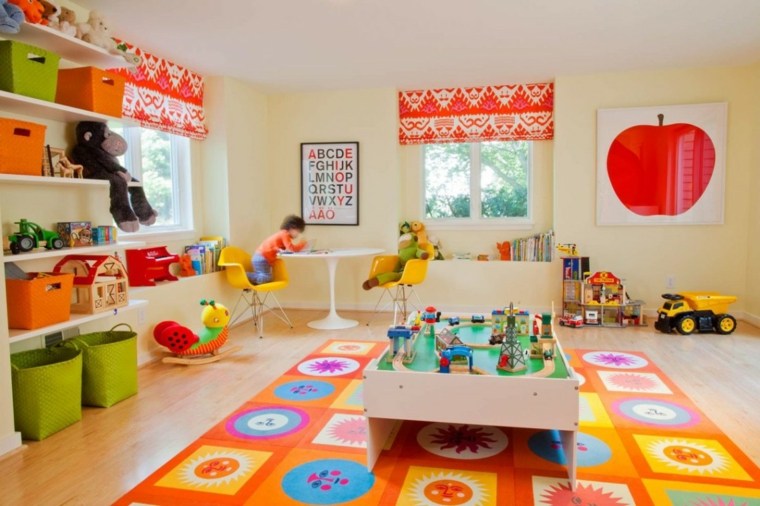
(670, 281)
(141, 317)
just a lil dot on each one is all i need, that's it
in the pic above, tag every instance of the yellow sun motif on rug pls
(703, 457)
(215, 469)
(425, 486)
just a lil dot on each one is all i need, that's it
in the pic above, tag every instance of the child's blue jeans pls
(262, 271)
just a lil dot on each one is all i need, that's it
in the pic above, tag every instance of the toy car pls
(571, 320)
(478, 318)
(30, 236)
(454, 320)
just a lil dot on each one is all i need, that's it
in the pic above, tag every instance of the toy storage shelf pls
(75, 320)
(38, 255)
(69, 48)
(54, 181)
(28, 106)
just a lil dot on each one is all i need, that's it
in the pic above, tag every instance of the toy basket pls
(91, 88)
(28, 70)
(39, 301)
(109, 365)
(47, 390)
(21, 147)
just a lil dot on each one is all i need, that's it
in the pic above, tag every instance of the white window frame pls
(476, 221)
(181, 185)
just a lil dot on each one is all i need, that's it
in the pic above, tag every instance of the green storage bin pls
(47, 390)
(109, 365)
(28, 70)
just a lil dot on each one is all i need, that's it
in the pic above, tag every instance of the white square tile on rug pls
(344, 430)
(629, 381)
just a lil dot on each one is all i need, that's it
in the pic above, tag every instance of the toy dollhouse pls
(605, 302)
(100, 282)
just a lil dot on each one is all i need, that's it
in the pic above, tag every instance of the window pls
(478, 183)
(161, 161)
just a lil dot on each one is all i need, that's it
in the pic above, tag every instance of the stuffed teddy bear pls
(418, 228)
(32, 9)
(11, 17)
(97, 148)
(96, 32)
(50, 13)
(66, 22)
(408, 249)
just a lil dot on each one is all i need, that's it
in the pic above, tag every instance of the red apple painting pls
(661, 165)
(661, 169)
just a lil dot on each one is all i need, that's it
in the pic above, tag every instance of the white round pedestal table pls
(333, 320)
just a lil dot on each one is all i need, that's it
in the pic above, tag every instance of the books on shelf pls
(204, 254)
(536, 248)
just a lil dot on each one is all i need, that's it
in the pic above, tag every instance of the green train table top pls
(486, 359)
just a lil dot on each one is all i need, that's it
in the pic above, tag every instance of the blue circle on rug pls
(590, 451)
(327, 481)
(656, 412)
(304, 390)
(266, 423)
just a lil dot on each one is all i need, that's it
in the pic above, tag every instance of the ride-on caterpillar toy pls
(202, 348)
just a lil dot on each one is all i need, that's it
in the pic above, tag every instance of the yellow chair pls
(237, 263)
(400, 292)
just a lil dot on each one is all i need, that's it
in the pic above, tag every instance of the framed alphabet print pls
(330, 183)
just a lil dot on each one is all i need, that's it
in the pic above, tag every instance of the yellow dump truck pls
(686, 312)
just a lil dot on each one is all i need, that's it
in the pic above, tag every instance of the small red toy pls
(571, 320)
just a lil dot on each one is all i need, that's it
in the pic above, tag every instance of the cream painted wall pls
(753, 258)
(366, 116)
(700, 257)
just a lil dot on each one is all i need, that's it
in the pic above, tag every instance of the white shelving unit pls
(43, 254)
(17, 335)
(73, 52)
(54, 181)
(69, 48)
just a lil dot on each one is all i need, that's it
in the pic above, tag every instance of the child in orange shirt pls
(263, 260)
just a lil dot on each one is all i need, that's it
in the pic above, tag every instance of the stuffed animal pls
(97, 148)
(50, 13)
(404, 228)
(418, 228)
(437, 247)
(33, 9)
(67, 22)
(96, 32)
(505, 250)
(408, 249)
(11, 17)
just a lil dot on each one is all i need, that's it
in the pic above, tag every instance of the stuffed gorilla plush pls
(97, 148)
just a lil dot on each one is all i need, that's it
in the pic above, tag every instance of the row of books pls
(204, 254)
(536, 248)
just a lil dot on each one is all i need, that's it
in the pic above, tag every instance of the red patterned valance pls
(164, 96)
(487, 113)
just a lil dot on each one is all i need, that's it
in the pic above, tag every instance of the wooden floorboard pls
(96, 461)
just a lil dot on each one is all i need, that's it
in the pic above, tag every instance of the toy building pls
(100, 282)
(401, 340)
(511, 354)
(446, 339)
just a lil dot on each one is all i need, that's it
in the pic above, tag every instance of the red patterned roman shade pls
(164, 96)
(487, 113)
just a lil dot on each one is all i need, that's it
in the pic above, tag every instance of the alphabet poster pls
(330, 183)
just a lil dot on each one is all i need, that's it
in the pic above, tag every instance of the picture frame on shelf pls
(330, 183)
(50, 157)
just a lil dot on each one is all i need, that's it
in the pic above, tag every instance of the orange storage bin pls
(21, 145)
(38, 301)
(91, 88)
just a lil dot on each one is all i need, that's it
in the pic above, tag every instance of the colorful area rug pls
(302, 441)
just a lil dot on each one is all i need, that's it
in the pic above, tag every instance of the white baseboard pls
(10, 442)
(750, 318)
(449, 309)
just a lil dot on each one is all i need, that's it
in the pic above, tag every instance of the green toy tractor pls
(30, 236)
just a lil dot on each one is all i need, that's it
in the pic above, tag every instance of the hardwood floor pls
(96, 461)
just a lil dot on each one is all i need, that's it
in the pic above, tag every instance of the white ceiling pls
(286, 45)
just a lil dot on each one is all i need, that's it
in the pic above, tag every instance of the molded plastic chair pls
(400, 292)
(237, 263)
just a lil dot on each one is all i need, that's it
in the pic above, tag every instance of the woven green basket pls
(109, 365)
(47, 390)
(28, 70)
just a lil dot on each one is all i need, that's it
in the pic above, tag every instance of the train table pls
(407, 384)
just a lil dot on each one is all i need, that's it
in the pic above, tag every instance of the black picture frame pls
(330, 183)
